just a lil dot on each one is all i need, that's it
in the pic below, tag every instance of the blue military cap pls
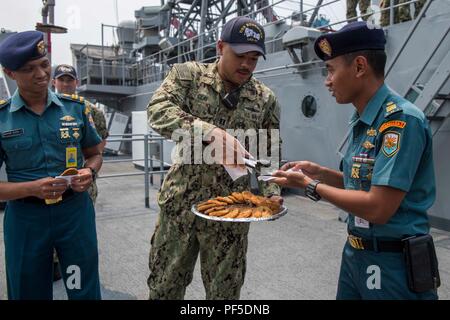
(244, 35)
(355, 36)
(19, 48)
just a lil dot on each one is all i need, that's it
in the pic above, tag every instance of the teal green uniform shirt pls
(37, 146)
(391, 145)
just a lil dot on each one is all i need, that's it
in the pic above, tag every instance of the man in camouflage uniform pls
(351, 9)
(192, 97)
(401, 13)
(65, 81)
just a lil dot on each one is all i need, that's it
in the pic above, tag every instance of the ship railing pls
(153, 68)
(149, 161)
(162, 58)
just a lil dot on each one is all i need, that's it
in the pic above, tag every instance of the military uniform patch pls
(393, 123)
(64, 133)
(391, 108)
(72, 97)
(325, 46)
(183, 72)
(41, 47)
(75, 134)
(12, 133)
(391, 143)
(355, 170)
(67, 118)
(368, 145)
(91, 120)
(371, 132)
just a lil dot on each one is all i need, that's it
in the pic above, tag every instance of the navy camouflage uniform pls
(191, 93)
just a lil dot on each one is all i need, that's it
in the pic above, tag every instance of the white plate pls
(283, 211)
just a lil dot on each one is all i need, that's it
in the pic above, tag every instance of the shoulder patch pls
(72, 97)
(87, 109)
(391, 108)
(183, 72)
(391, 143)
(393, 123)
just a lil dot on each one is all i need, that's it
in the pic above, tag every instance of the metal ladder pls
(432, 96)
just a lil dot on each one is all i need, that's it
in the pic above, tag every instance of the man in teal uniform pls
(387, 183)
(41, 135)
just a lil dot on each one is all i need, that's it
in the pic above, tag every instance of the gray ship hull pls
(318, 138)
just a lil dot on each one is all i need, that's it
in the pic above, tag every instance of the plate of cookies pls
(240, 207)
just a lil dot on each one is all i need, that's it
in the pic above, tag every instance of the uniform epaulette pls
(72, 97)
(4, 103)
(183, 71)
(391, 108)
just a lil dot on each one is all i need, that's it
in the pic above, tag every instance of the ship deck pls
(295, 257)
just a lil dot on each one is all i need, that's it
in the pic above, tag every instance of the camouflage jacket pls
(191, 93)
(99, 120)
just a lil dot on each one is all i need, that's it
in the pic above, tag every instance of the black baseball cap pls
(65, 69)
(244, 35)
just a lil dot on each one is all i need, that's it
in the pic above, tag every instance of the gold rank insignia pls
(64, 133)
(41, 47)
(325, 46)
(355, 170)
(2, 101)
(391, 107)
(371, 132)
(75, 134)
(369, 176)
(368, 145)
(67, 118)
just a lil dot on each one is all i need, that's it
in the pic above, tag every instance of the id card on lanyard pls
(71, 156)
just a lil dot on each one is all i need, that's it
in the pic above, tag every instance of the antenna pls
(116, 8)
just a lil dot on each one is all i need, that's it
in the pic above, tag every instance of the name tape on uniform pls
(393, 123)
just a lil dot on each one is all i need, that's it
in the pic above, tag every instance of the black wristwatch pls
(310, 190)
(93, 172)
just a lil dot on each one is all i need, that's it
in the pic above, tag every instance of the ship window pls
(309, 106)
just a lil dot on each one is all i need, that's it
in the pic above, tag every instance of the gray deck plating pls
(294, 257)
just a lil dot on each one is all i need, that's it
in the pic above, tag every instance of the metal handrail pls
(148, 158)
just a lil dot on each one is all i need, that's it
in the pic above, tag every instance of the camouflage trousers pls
(93, 192)
(401, 13)
(178, 239)
(351, 8)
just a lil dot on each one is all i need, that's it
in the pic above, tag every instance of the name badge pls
(71, 157)
(361, 223)
(12, 133)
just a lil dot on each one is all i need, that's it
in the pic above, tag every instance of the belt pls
(66, 195)
(375, 245)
